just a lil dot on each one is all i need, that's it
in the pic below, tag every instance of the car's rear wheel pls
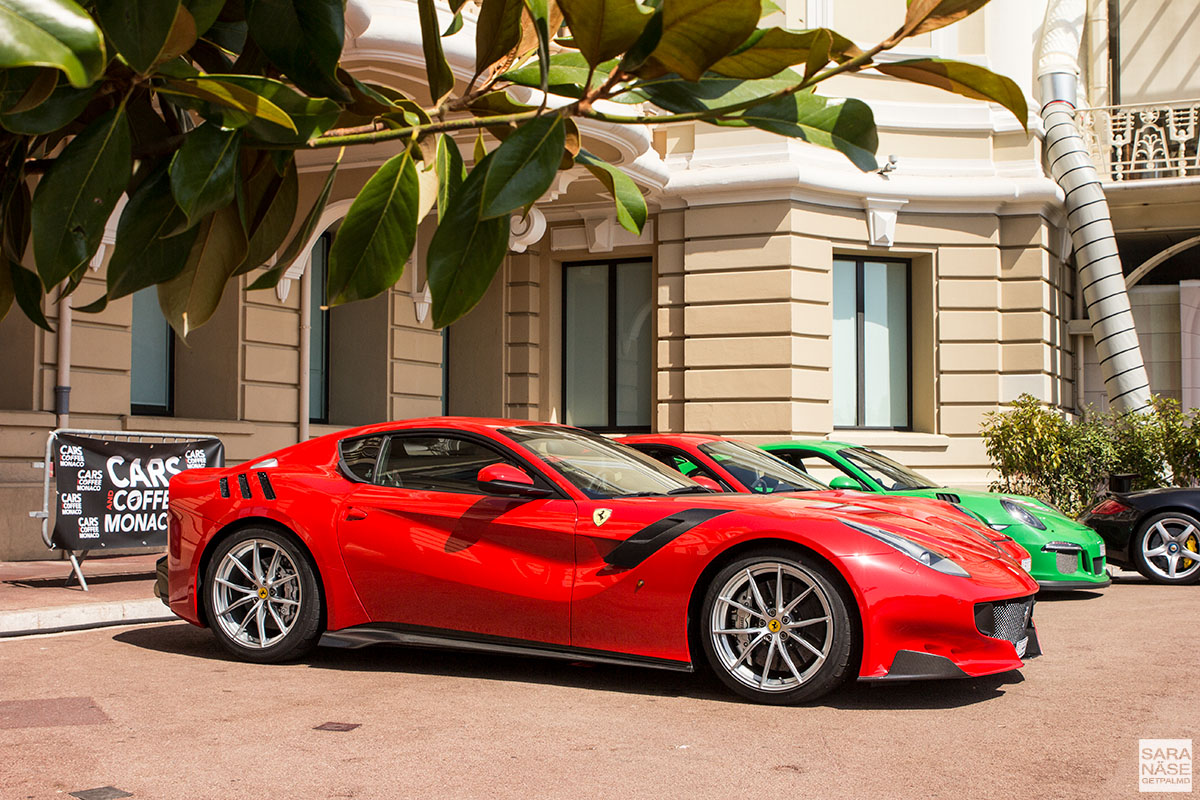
(1167, 548)
(775, 628)
(261, 597)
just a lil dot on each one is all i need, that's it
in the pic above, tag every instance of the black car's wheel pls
(775, 628)
(1166, 548)
(261, 597)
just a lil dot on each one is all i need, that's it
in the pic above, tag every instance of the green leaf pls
(566, 75)
(376, 237)
(144, 255)
(437, 70)
(190, 299)
(480, 150)
(967, 80)
(769, 8)
(24, 88)
(296, 245)
(138, 29)
(51, 33)
(846, 125)
(63, 106)
(271, 209)
(523, 167)
(630, 204)
(204, 13)
(712, 91)
(304, 39)
(539, 13)
(455, 25)
(203, 171)
(465, 251)
(247, 103)
(929, 15)
(310, 116)
(698, 33)
(181, 38)
(497, 31)
(450, 171)
(27, 290)
(604, 29)
(771, 50)
(77, 195)
(635, 57)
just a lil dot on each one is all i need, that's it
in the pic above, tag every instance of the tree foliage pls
(1037, 451)
(196, 109)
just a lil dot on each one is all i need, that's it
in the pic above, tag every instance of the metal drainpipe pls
(305, 352)
(1096, 256)
(62, 387)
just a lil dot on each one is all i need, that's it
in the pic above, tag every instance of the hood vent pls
(947, 497)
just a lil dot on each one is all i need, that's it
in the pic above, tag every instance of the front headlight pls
(922, 555)
(1022, 515)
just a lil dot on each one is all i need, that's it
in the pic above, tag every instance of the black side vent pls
(265, 482)
(948, 497)
(244, 486)
(224, 487)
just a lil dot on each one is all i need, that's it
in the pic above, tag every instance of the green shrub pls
(1063, 461)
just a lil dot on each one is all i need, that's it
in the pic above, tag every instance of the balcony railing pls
(1143, 141)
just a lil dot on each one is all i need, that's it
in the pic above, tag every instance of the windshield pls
(758, 470)
(887, 473)
(600, 467)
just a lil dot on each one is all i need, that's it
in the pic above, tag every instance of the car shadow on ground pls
(1045, 596)
(185, 640)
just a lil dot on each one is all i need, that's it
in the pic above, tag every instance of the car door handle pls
(354, 514)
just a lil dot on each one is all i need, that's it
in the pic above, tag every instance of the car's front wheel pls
(775, 628)
(1167, 548)
(261, 597)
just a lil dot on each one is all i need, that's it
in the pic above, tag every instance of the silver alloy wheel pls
(772, 627)
(1171, 548)
(256, 593)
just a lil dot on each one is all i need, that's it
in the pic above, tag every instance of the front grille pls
(1066, 563)
(1007, 620)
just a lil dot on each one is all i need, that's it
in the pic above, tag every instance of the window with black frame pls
(152, 364)
(871, 343)
(607, 338)
(318, 369)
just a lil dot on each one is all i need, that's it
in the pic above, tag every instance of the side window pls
(815, 464)
(359, 456)
(435, 463)
(678, 460)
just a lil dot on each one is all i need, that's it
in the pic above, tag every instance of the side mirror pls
(708, 483)
(845, 482)
(507, 479)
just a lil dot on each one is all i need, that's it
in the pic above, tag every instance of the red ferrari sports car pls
(734, 466)
(520, 537)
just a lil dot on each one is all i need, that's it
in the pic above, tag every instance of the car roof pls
(816, 444)
(476, 424)
(672, 438)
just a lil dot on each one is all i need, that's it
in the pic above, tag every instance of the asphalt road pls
(157, 712)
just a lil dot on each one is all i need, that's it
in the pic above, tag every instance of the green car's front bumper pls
(1069, 562)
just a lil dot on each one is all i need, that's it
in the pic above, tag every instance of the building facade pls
(776, 291)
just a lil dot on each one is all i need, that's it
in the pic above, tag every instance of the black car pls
(1156, 531)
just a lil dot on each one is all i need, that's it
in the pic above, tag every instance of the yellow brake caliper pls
(1193, 544)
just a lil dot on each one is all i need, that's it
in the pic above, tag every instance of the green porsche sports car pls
(1066, 554)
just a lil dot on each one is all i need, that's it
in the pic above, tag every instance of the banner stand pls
(77, 556)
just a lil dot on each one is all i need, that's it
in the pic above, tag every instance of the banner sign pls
(114, 494)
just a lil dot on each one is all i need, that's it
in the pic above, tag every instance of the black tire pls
(292, 613)
(802, 675)
(1149, 537)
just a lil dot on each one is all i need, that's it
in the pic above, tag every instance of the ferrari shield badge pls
(601, 515)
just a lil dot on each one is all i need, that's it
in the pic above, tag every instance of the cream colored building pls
(775, 291)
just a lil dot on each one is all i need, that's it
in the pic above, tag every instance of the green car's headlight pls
(1022, 515)
(922, 555)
